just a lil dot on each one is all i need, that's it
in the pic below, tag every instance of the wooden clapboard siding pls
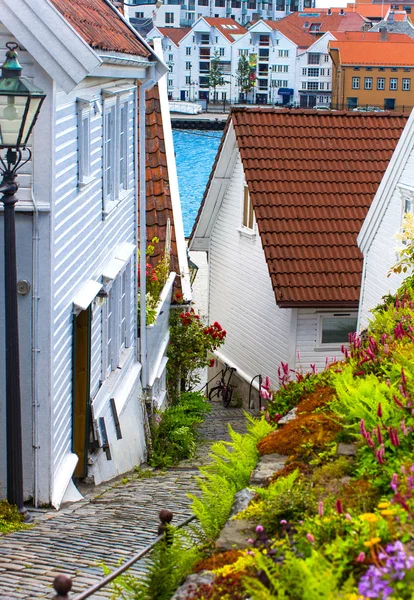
(241, 297)
(83, 241)
(382, 253)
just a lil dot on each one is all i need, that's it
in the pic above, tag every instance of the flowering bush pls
(191, 341)
(156, 278)
(393, 573)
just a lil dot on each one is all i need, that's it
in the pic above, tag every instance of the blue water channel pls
(195, 152)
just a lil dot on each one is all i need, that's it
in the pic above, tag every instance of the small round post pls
(166, 517)
(62, 585)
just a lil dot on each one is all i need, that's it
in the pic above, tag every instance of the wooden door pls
(81, 389)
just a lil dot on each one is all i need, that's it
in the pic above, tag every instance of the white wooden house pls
(285, 201)
(77, 225)
(395, 196)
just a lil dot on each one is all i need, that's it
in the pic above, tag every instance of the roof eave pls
(317, 304)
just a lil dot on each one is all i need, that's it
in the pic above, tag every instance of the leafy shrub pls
(289, 498)
(10, 518)
(191, 342)
(174, 433)
(155, 277)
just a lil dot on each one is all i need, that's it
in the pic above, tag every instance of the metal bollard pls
(166, 517)
(62, 586)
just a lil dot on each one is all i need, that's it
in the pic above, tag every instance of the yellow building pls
(373, 73)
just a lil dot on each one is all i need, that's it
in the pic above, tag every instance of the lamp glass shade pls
(18, 114)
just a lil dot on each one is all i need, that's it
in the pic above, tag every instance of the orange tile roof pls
(159, 205)
(371, 36)
(312, 177)
(350, 21)
(299, 37)
(175, 34)
(223, 26)
(374, 53)
(369, 10)
(101, 26)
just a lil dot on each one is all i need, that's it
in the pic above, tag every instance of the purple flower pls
(376, 583)
(283, 522)
(320, 509)
(379, 410)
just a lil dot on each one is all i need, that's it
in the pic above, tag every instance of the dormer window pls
(248, 220)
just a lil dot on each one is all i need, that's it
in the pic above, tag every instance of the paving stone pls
(241, 501)
(346, 449)
(288, 417)
(114, 522)
(267, 466)
(235, 535)
(192, 583)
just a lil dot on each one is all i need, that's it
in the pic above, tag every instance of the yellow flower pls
(354, 597)
(383, 505)
(387, 512)
(372, 542)
(369, 518)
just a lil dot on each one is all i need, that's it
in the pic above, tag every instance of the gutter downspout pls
(35, 349)
(149, 83)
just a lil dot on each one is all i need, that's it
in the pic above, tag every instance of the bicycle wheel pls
(227, 397)
(215, 393)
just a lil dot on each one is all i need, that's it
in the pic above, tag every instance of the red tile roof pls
(101, 26)
(350, 21)
(312, 177)
(175, 34)
(299, 37)
(373, 53)
(228, 27)
(159, 205)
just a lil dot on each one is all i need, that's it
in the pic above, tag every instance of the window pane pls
(335, 330)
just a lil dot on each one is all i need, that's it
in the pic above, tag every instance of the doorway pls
(81, 408)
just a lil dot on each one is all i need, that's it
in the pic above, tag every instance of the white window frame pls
(188, 51)
(117, 187)
(380, 83)
(247, 211)
(393, 84)
(84, 108)
(116, 335)
(406, 84)
(356, 82)
(368, 83)
(330, 315)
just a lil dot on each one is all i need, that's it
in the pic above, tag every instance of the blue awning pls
(285, 92)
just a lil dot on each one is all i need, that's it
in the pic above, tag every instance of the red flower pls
(212, 362)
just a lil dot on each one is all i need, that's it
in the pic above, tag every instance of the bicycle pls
(223, 389)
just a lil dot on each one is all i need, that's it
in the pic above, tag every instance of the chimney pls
(383, 34)
(329, 11)
(342, 12)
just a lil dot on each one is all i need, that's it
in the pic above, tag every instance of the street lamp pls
(20, 103)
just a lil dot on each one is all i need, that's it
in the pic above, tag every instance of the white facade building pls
(242, 11)
(77, 246)
(377, 241)
(314, 74)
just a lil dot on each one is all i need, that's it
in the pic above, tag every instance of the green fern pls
(213, 508)
(168, 566)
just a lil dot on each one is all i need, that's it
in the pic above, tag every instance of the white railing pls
(158, 333)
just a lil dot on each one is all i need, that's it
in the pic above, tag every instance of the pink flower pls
(259, 529)
(338, 507)
(283, 522)
(320, 509)
(310, 538)
(361, 557)
(348, 517)
(379, 410)
(250, 541)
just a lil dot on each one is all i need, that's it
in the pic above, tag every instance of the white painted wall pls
(377, 237)
(241, 297)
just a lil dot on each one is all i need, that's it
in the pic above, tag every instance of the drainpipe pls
(149, 83)
(35, 349)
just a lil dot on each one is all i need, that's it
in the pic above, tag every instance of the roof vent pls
(306, 24)
(342, 12)
(329, 11)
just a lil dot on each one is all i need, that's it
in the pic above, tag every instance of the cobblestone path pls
(111, 524)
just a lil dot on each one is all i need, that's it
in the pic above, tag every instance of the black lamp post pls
(20, 103)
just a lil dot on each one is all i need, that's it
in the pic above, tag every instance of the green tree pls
(244, 82)
(216, 73)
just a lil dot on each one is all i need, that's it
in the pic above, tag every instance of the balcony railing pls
(158, 333)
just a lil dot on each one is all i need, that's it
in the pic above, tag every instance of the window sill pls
(331, 347)
(247, 233)
(86, 182)
(111, 205)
